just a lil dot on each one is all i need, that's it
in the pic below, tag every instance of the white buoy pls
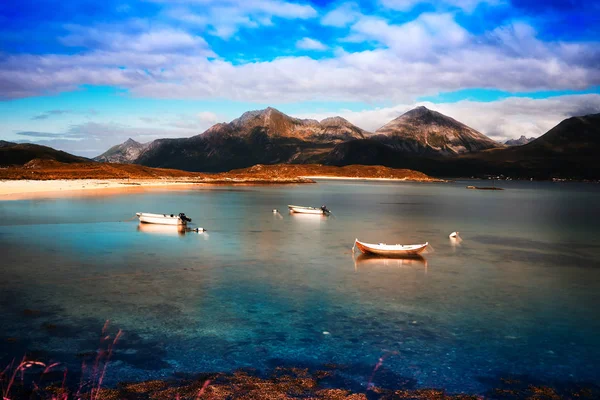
(453, 235)
(275, 211)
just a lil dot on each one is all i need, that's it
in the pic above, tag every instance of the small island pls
(484, 188)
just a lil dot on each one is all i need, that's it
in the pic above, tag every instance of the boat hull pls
(397, 250)
(307, 210)
(160, 219)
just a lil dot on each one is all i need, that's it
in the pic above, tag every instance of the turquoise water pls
(518, 296)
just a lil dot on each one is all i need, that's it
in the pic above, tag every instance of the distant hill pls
(519, 142)
(427, 132)
(124, 153)
(257, 137)
(569, 150)
(22, 153)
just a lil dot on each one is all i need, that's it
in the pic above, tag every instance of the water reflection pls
(309, 219)
(455, 241)
(167, 230)
(365, 261)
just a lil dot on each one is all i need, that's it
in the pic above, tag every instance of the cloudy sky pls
(84, 75)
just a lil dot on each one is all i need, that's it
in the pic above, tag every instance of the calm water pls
(519, 295)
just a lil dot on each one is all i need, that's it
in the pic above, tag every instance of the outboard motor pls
(183, 217)
(325, 210)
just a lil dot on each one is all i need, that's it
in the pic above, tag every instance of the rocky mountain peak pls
(126, 152)
(422, 130)
(520, 141)
(333, 121)
(263, 117)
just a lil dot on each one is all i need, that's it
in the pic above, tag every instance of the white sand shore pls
(19, 189)
(22, 189)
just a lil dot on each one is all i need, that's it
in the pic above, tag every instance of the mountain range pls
(420, 139)
(268, 136)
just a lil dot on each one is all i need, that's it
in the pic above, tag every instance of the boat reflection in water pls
(309, 219)
(168, 230)
(455, 242)
(366, 261)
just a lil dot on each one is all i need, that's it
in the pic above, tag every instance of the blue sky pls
(85, 75)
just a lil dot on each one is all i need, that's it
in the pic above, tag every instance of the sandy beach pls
(51, 179)
(20, 189)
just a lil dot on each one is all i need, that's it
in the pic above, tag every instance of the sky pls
(84, 75)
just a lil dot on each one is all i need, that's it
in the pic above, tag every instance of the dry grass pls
(279, 173)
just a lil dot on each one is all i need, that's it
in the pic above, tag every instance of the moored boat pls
(391, 250)
(163, 219)
(309, 210)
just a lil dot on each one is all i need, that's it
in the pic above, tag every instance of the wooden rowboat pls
(309, 210)
(163, 219)
(391, 250)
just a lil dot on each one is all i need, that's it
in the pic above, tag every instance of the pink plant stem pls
(203, 388)
(14, 375)
(379, 364)
(110, 350)
(83, 369)
(98, 357)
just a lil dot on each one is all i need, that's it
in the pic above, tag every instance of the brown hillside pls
(314, 170)
(280, 173)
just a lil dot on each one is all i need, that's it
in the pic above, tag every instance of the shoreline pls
(359, 178)
(20, 189)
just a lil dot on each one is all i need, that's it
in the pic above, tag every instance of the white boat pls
(309, 210)
(164, 219)
(391, 250)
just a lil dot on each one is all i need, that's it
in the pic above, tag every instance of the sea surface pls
(518, 296)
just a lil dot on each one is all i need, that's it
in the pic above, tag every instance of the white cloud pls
(208, 117)
(341, 16)
(501, 120)
(428, 55)
(423, 37)
(162, 41)
(465, 5)
(92, 138)
(224, 18)
(310, 44)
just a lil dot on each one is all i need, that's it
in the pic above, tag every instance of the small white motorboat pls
(390, 250)
(453, 235)
(164, 219)
(309, 210)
